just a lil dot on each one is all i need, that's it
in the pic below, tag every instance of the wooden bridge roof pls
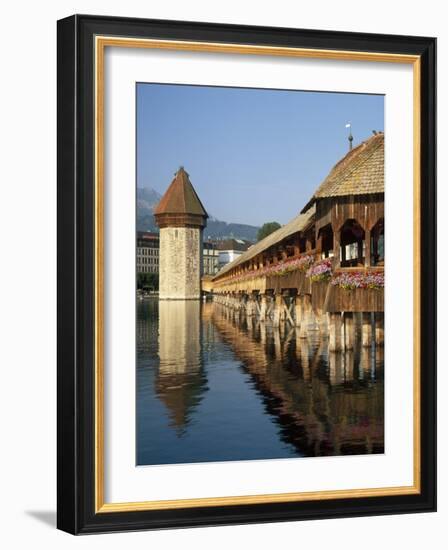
(299, 223)
(360, 172)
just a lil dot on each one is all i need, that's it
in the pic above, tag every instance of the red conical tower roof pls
(180, 205)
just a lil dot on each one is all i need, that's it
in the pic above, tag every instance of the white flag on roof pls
(348, 125)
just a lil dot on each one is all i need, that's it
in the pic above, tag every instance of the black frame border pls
(76, 263)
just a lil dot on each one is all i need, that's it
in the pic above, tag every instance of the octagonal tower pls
(181, 218)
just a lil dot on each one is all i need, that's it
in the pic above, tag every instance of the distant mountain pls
(148, 198)
(217, 229)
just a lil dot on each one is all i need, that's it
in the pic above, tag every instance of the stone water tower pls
(181, 219)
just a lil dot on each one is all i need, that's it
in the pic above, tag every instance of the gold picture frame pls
(96, 35)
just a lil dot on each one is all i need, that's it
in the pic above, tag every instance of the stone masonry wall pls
(180, 260)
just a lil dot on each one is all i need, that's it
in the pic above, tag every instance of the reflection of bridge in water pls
(326, 403)
(322, 403)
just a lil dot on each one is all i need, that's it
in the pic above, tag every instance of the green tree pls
(266, 229)
(148, 281)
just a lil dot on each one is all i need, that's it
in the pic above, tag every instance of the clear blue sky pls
(252, 155)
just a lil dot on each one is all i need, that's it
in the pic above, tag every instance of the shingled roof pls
(180, 197)
(299, 223)
(360, 172)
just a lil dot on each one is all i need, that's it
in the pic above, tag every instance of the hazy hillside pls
(148, 198)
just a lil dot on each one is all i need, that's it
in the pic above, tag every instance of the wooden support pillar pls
(349, 365)
(305, 360)
(268, 306)
(263, 333)
(363, 363)
(336, 368)
(244, 302)
(298, 310)
(379, 329)
(337, 247)
(277, 309)
(335, 332)
(277, 342)
(250, 305)
(349, 331)
(263, 307)
(282, 307)
(287, 310)
(324, 323)
(366, 329)
(306, 314)
(368, 253)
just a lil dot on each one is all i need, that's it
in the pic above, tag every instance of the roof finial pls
(180, 170)
(350, 137)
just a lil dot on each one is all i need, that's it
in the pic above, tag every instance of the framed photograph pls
(246, 274)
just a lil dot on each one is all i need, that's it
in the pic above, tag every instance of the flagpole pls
(350, 137)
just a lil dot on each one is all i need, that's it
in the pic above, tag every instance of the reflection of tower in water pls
(180, 381)
(181, 218)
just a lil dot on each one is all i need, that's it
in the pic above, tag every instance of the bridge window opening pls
(377, 243)
(310, 240)
(289, 247)
(326, 237)
(302, 245)
(352, 244)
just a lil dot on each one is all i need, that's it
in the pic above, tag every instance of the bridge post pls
(263, 333)
(277, 343)
(323, 322)
(366, 364)
(379, 329)
(278, 300)
(298, 311)
(263, 307)
(335, 332)
(282, 305)
(250, 305)
(366, 329)
(305, 360)
(348, 330)
(336, 368)
(307, 315)
(349, 365)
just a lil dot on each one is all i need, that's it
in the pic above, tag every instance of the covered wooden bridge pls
(325, 268)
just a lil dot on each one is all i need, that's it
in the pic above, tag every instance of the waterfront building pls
(210, 258)
(231, 249)
(147, 252)
(181, 218)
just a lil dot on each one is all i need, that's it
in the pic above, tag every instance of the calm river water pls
(212, 386)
